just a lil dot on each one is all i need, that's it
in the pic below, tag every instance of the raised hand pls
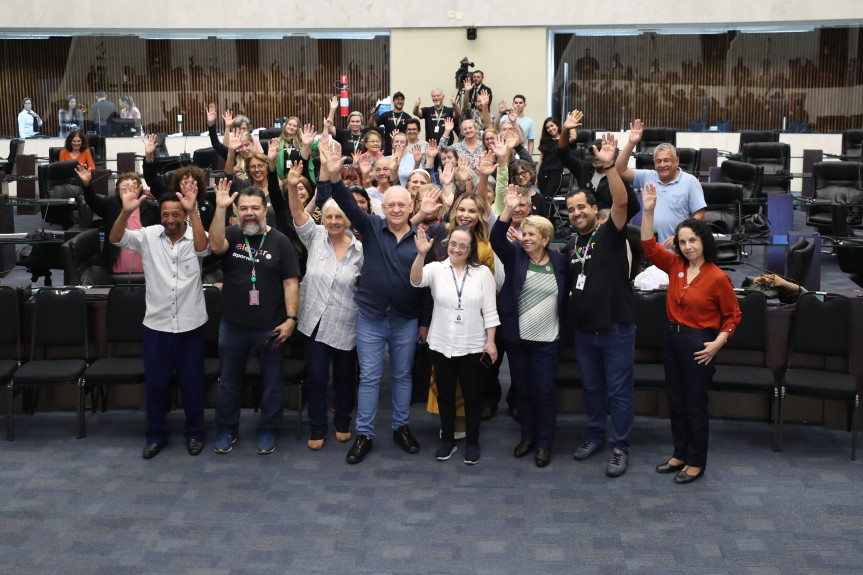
(483, 98)
(452, 100)
(429, 203)
(211, 115)
(224, 197)
(513, 116)
(463, 170)
(418, 102)
(273, 150)
(423, 243)
(307, 135)
(432, 149)
(235, 139)
(487, 164)
(501, 108)
(293, 177)
(365, 165)
(189, 198)
(573, 119)
(511, 139)
(448, 126)
(417, 153)
(648, 197)
(355, 158)
(467, 84)
(512, 197)
(334, 103)
(636, 130)
(327, 125)
(150, 144)
(132, 199)
(447, 174)
(84, 174)
(335, 160)
(606, 154)
(227, 119)
(500, 145)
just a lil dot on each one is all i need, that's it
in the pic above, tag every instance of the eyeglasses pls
(460, 247)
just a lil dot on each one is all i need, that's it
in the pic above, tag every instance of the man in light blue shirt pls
(527, 125)
(679, 195)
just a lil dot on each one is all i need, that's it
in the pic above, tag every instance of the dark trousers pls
(491, 389)
(548, 181)
(448, 372)
(687, 385)
(167, 355)
(533, 365)
(318, 358)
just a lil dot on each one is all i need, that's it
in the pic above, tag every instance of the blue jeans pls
(606, 362)
(235, 341)
(400, 336)
(533, 366)
(167, 355)
(318, 357)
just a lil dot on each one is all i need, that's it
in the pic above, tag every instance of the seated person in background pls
(29, 121)
(120, 260)
(128, 109)
(76, 149)
(679, 195)
(591, 174)
(70, 117)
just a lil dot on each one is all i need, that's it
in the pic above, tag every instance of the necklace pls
(539, 261)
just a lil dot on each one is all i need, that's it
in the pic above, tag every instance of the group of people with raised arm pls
(398, 240)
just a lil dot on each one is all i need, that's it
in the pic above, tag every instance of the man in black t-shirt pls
(392, 121)
(434, 116)
(602, 315)
(260, 299)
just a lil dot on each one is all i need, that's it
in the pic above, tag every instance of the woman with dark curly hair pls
(76, 149)
(703, 314)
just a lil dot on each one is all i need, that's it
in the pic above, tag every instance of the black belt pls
(677, 328)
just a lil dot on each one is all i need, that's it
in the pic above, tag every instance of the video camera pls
(463, 72)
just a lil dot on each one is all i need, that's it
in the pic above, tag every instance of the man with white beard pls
(259, 303)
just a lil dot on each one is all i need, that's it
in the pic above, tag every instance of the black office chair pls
(584, 138)
(96, 144)
(742, 365)
(212, 364)
(8, 166)
(799, 260)
(724, 216)
(83, 263)
(690, 160)
(161, 150)
(269, 134)
(852, 143)
(831, 179)
(59, 321)
(750, 136)
(849, 249)
(54, 153)
(775, 159)
(122, 364)
(10, 334)
(206, 158)
(58, 180)
(819, 356)
(651, 327)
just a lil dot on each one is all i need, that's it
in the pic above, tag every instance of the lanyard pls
(438, 115)
(458, 290)
(254, 258)
(397, 121)
(583, 257)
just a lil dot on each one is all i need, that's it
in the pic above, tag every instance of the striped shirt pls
(328, 288)
(537, 304)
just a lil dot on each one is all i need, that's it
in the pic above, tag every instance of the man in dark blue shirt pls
(388, 309)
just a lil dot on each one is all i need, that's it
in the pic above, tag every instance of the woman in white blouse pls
(461, 334)
(328, 314)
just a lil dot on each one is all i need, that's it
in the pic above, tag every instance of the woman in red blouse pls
(703, 313)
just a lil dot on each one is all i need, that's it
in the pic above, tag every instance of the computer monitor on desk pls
(125, 127)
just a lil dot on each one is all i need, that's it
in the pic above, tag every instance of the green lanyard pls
(582, 259)
(254, 258)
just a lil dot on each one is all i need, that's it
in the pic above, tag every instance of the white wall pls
(349, 15)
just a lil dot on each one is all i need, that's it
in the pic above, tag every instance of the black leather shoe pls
(359, 449)
(151, 450)
(668, 468)
(543, 457)
(683, 477)
(523, 448)
(488, 412)
(195, 446)
(406, 441)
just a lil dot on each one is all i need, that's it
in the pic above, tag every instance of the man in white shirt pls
(29, 121)
(173, 338)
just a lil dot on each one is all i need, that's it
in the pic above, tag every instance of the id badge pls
(579, 282)
(458, 315)
(254, 297)
(437, 128)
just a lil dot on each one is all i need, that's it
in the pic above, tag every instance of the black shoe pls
(543, 457)
(195, 446)
(668, 468)
(359, 449)
(471, 453)
(488, 412)
(406, 441)
(445, 451)
(151, 450)
(683, 477)
(523, 448)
